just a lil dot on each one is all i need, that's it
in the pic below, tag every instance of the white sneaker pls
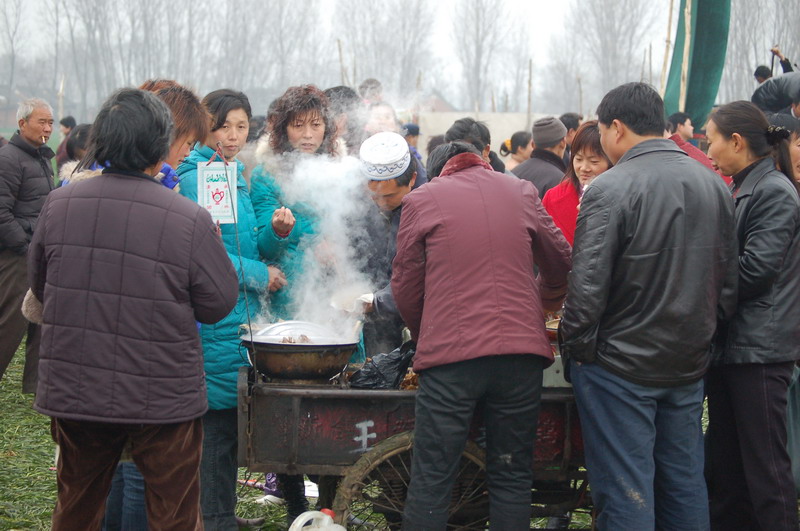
(269, 499)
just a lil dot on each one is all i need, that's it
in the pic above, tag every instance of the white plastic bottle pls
(318, 521)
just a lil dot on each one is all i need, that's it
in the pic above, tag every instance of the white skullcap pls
(384, 156)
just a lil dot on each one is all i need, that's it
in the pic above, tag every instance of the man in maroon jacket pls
(463, 279)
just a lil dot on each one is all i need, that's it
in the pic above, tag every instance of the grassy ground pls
(27, 485)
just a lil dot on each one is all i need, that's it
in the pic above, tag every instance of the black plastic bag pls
(385, 371)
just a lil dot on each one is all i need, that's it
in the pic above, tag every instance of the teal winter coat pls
(221, 350)
(286, 253)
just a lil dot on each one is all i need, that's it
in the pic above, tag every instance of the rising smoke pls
(333, 262)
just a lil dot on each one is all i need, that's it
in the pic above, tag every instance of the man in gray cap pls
(545, 168)
(391, 171)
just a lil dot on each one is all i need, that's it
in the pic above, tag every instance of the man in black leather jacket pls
(654, 264)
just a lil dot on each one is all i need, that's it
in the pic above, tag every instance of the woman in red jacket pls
(587, 162)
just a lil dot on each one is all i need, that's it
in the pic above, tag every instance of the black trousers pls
(749, 472)
(294, 493)
(13, 325)
(509, 388)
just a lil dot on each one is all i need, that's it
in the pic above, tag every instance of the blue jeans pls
(644, 451)
(218, 470)
(125, 506)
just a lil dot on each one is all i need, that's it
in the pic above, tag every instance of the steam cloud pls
(333, 262)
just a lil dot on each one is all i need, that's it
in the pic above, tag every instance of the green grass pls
(27, 485)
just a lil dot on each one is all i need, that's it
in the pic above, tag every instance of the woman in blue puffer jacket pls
(230, 114)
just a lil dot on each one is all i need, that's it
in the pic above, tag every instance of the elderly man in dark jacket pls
(654, 265)
(463, 279)
(26, 177)
(124, 268)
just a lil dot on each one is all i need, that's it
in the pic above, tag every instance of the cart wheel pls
(373, 492)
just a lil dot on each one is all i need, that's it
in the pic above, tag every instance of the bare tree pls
(476, 38)
(294, 43)
(51, 13)
(756, 26)
(512, 60)
(613, 35)
(559, 79)
(390, 43)
(413, 21)
(10, 19)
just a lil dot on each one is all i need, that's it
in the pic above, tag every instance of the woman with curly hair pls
(300, 126)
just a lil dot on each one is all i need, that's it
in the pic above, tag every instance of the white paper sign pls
(216, 190)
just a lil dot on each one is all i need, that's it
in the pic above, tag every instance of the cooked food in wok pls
(297, 332)
(302, 338)
(410, 381)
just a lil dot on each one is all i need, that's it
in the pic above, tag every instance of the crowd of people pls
(675, 271)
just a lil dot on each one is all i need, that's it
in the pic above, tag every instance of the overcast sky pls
(543, 23)
(546, 18)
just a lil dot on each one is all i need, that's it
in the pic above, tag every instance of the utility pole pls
(687, 46)
(530, 92)
(666, 51)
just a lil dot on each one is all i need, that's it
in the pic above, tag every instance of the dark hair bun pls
(776, 134)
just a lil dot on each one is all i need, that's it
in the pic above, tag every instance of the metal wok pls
(322, 357)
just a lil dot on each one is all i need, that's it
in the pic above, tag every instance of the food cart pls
(365, 438)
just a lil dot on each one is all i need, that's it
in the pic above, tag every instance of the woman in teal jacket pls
(230, 114)
(300, 126)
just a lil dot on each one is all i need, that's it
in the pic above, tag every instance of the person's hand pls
(277, 279)
(365, 303)
(777, 52)
(218, 230)
(282, 221)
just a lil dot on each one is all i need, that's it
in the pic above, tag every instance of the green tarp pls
(709, 42)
